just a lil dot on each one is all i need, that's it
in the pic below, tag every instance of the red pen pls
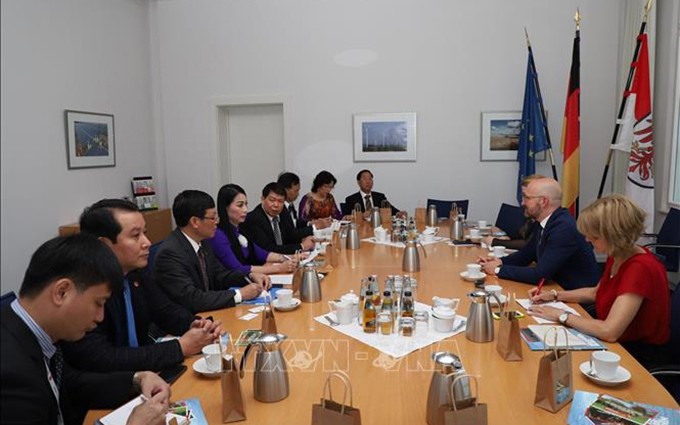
(540, 286)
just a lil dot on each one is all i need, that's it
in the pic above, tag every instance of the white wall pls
(445, 60)
(90, 55)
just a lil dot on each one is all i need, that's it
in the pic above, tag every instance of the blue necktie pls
(130, 315)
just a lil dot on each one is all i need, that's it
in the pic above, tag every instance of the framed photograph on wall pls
(385, 137)
(500, 136)
(90, 139)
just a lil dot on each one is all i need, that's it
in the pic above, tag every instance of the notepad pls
(121, 415)
(526, 303)
(281, 279)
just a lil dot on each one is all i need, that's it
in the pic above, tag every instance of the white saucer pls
(200, 367)
(464, 275)
(476, 238)
(622, 375)
(292, 306)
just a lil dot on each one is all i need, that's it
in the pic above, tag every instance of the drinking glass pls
(385, 323)
(422, 319)
(407, 326)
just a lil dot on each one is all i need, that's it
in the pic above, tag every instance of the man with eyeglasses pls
(559, 251)
(186, 268)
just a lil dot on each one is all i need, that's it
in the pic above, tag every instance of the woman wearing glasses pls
(319, 203)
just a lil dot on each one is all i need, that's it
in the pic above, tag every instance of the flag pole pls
(540, 102)
(631, 71)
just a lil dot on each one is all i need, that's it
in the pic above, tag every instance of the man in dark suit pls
(65, 287)
(186, 268)
(366, 197)
(269, 218)
(291, 184)
(122, 340)
(560, 252)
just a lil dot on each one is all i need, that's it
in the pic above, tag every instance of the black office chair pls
(510, 219)
(444, 207)
(667, 245)
(7, 298)
(669, 375)
(344, 210)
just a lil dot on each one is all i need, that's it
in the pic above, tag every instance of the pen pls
(540, 286)
(287, 257)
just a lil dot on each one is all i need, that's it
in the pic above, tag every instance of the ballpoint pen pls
(540, 286)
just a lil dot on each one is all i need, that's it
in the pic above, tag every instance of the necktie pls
(57, 366)
(369, 203)
(277, 230)
(538, 243)
(204, 268)
(293, 213)
(129, 315)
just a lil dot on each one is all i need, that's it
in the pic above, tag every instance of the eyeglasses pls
(532, 196)
(216, 218)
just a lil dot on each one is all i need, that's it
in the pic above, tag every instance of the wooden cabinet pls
(158, 225)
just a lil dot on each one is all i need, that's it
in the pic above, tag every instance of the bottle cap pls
(407, 293)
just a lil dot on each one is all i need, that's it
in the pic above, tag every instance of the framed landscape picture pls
(385, 137)
(500, 136)
(90, 140)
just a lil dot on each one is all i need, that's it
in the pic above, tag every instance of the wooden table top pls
(395, 391)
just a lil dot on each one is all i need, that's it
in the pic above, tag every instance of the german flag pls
(571, 133)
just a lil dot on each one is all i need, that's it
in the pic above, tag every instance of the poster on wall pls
(385, 137)
(500, 136)
(90, 140)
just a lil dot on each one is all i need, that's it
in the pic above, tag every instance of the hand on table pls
(262, 279)
(201, 333)
(546, 312)
(489, 264)
(151, 385)
(543, 296)
(150, 412)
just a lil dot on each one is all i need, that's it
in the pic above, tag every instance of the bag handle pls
(453, 384)
(344, 378)
(555, 348)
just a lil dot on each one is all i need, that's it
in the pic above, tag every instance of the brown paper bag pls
(554, 388)
(333, 251)
(476, 414)
(385, 213)
(330, 412)
(268, 319)
(297, 279)
(233, 408)
(420, 214)
(509, 343)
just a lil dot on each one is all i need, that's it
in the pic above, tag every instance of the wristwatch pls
(497, 270)
(563, 317)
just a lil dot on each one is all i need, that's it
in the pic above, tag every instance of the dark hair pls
(81, 257)
(98, 219)
(225, 197)
(288, 179)
(323, 178)
(362, 172)
(190, 203)
(273, 187)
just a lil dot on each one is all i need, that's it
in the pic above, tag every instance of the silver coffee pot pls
(411, 261)
(375, 217)
(270, 381)
(457, 229)
(310, 287)
(479, 326)
(447, 368)
(352, 237)
(431, 216)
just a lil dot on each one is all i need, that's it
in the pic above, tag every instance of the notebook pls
(591, 408)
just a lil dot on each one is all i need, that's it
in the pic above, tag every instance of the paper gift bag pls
(554, 388)
(333, 250)
(385, 213)
(475, 414)
(509, 343)
(297, 279)
(268, 319)
(330, 412)
(233, 408)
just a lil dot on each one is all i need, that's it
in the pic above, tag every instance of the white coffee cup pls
(344, 311)
(474, 270)
(474, 233)
(212, 355)
(493, 289)
(605, 364)
(498, 251)
(431, 230)
(284, 297)
(482, 223)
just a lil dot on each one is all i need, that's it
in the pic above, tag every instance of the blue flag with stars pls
(532, 137)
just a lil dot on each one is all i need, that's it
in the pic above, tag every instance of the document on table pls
(526, 303)
(555, 336)
(121, 415)
(281, 279)
(312, 255)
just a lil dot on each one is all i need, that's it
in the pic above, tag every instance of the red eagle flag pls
(635, 136)
(571, 133)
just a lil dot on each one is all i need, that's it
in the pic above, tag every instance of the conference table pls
(388, 390)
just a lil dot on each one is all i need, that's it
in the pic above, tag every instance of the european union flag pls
(532, 137)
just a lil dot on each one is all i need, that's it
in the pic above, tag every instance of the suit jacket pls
(258, 228)
(107, 347)
(178, 272)
(561, 254)
(357, 198)
(25, 394)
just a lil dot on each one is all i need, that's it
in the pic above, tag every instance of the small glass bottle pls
(407, 304)
(368, 315)
(387, 303)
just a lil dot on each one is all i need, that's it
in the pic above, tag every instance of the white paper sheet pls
(121, 415)
(281, 279)
(526, 304)
(437, 239)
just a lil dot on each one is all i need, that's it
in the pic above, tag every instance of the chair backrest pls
(344, 210)
(7, 298)
(510, 219)
(675, 322)
(669, 234)
(444, 207)
(153, 250)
